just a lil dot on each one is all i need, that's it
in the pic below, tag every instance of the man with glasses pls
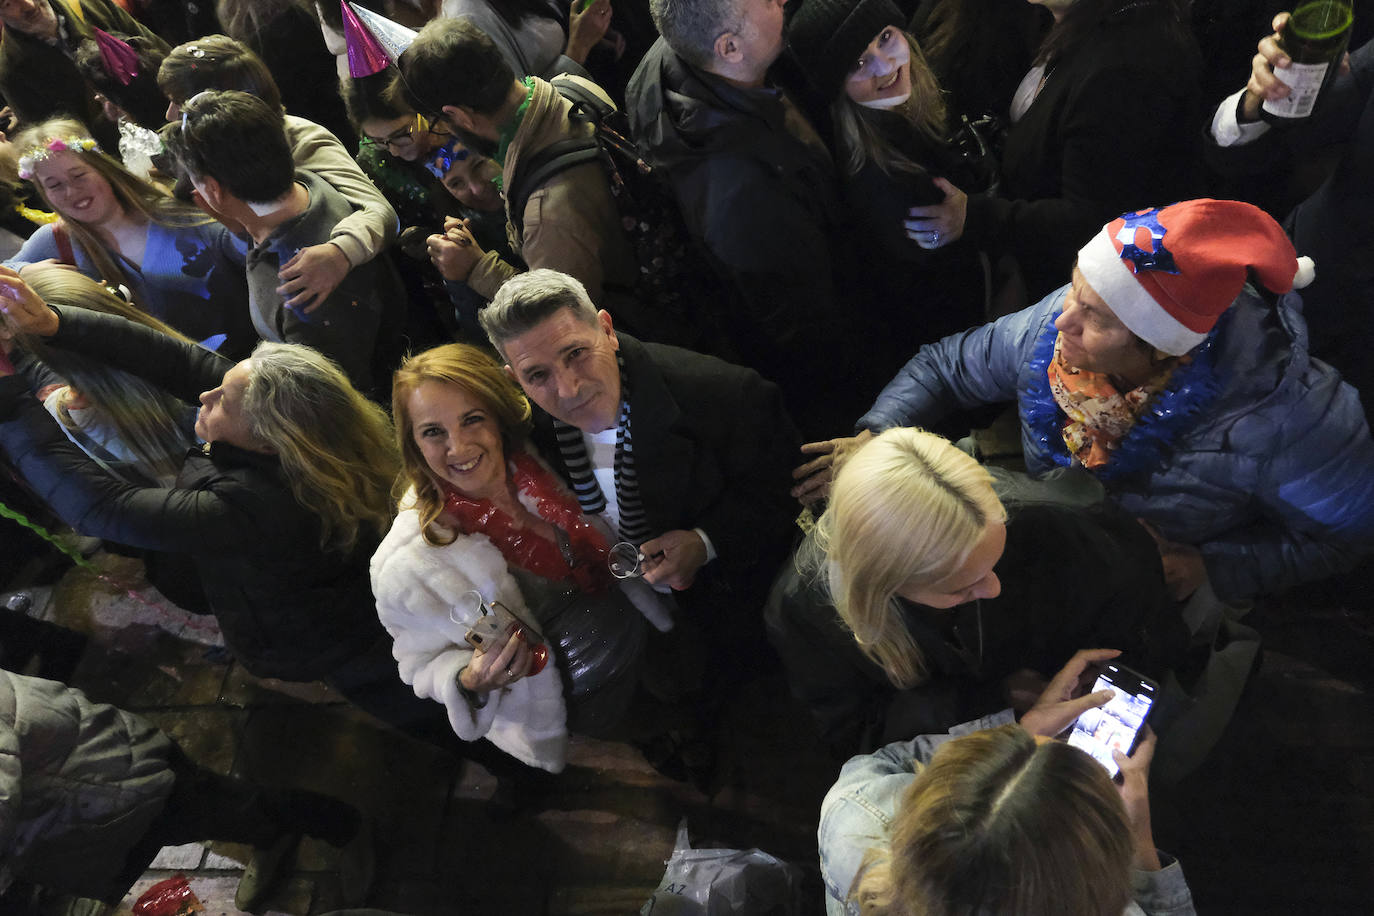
(37, 74)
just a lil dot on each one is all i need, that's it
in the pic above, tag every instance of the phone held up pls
(1117, 725)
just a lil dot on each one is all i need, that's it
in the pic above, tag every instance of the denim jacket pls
(859, 809)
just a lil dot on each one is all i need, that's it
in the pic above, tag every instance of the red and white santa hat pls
(1169, 273)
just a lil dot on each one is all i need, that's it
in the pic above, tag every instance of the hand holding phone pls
(493, 626)
(1116, 726)
(1062, 701)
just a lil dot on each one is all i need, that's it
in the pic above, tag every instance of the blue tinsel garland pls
(1169, 415)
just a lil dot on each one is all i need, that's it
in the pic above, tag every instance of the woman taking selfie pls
(481, 513)
(279, 510)
(921, 601)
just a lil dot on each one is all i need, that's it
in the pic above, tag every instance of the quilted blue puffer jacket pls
(1256, 453)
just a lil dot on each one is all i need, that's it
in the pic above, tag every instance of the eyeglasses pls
(404, 135)
(395, 138)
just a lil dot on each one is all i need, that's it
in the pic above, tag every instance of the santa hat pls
(374, 41)
(1169, 273)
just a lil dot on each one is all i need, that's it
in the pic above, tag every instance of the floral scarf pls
(584, 559)
(1097, 416)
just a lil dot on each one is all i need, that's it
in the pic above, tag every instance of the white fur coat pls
(417, 585)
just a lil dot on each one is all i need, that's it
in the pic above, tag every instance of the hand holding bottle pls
(1273, 77)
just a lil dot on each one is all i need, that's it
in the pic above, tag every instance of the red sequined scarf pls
(524, 547)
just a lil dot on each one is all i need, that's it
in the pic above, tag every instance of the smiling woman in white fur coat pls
(482, 512)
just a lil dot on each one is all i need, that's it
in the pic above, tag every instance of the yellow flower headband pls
(51, 145)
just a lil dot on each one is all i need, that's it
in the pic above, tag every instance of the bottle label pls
(1304, 82)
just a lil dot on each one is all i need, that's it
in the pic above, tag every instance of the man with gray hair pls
(756, 185)
(682, 454)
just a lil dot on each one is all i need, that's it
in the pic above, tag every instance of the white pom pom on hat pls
(1307, 272)
(1170, 273)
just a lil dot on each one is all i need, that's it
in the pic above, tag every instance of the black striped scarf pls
(634, 525)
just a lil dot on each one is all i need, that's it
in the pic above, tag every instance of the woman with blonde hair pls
(175, 263)
(279, 510)
(921, 600)
(953, 531)
(1003, 821)
(126, 424)
(480, 512)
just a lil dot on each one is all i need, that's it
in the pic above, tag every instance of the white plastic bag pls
(724, 882)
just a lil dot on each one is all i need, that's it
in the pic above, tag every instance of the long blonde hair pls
(856, 127)
(148, 420)
(336, 447)
(133, 193)
(906, 507)
(997, 823)
(477, 373)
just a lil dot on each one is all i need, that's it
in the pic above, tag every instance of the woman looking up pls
(279, 511)
(893, 135)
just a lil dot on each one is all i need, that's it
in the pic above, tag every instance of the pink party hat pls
(373, 40)
(118, 59)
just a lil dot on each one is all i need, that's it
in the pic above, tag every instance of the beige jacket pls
(571, 223)
(372, 226)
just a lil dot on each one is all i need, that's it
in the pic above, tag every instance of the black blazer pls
(714, 449)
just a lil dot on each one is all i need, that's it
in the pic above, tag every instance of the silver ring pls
(935, 238)
(510, 673)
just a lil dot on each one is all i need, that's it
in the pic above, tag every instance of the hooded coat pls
(763, 203)
(1254, 452)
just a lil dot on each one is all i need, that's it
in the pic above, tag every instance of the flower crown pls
(51, 145)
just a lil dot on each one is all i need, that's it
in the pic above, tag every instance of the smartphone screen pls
(1116, 725)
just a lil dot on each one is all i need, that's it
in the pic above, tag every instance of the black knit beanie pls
(827, 37)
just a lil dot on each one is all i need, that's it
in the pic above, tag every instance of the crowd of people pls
(529, 369)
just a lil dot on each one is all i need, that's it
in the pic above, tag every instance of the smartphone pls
(1115, 726)
(489, 631)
